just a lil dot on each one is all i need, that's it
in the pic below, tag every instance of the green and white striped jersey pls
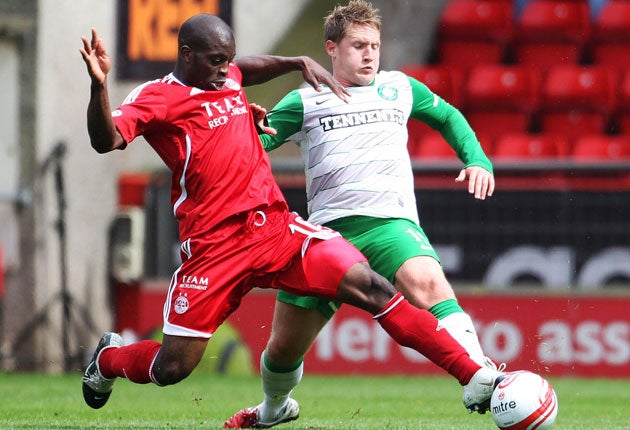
(355, 154)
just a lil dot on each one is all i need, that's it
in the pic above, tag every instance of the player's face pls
(208, 67)
(356, 57)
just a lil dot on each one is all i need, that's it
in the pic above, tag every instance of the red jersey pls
(209, 142)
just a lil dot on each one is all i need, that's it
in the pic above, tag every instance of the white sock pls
(461, 328)
(277, 387)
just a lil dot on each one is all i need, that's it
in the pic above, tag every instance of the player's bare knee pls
(428, 295)
(282, 353)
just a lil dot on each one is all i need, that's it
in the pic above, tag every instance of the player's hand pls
(96, 58)
(480, 181)
(315, 75)
(259, 114)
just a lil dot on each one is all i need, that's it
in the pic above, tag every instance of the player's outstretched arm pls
(480, 181)
(258, 69)
(103, 134)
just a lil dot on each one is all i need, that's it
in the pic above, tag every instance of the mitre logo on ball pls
(523, 401)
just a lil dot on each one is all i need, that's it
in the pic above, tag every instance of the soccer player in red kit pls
(236, 231)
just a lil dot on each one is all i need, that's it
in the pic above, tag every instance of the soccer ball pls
(522, 401)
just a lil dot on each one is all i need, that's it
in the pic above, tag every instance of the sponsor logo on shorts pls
(194, 282)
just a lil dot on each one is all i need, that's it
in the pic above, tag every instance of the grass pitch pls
(204, 401)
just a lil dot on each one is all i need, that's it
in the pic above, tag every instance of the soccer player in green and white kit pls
(360, 182)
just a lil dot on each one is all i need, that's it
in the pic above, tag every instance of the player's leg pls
(422, 281)
(407, 325)
(294, 329)
(141, 362)
(296, 323)
(149, 361)
(420, 330)
(361, 287)
(348, 277)
(399, 250)
(202, 293)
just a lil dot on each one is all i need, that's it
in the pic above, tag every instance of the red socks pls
(406, 324)
(132, 361)
(418, 329)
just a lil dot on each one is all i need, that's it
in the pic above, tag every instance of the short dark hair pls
(200, 30)
(340, 18)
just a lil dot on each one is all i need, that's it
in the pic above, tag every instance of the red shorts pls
(269, 248)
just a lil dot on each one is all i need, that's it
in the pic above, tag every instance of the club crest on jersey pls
(387, 93)
(232, 84)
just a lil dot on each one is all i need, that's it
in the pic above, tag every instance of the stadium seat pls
(501, 98)
(578, 99)
(550, 32)
(624, 105)
(611, 35)
(416, 130)
(444, 81)
(601, 147)
(527, 146)
(474, 32)
(432, 147)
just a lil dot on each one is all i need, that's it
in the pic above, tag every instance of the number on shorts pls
(311, 230)
(420, 238)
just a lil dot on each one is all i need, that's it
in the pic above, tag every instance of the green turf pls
(203, 401)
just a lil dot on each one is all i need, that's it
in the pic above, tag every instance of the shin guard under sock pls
(132, 361)
(418, 329)
(277, 386)
(459, 324)
(461, 327)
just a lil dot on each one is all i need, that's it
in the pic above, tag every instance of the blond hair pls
(336, 23)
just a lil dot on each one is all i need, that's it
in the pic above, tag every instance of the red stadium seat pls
(433, 147)
(511, 87)
(613, 22)
(526, 146)
(577, 100)
(501, 99)
(474, 32)
(550, 32)
(493, 124)
(444, 81)
(611, 35)
(624, 104)
(600, 147)
(416, 130)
